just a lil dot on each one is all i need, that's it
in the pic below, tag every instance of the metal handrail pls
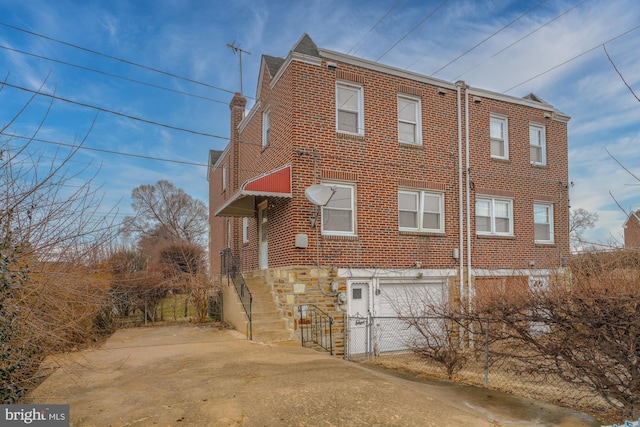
(314, 325)
(229, 266)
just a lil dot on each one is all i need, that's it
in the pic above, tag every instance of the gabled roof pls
(635, 215)
(306, 46)
(273, 64)
(214, 156)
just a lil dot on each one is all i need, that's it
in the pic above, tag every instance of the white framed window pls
(538, 143)
(539, 285)
(224, 177)
(349, 108)
(420, 211)
(499, 132)
(409, 120)
(338, 215)
(494, 216)
(245, 230)
(266, 128)
(543, 222)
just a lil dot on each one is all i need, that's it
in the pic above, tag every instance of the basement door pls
(263, 247)
(359, 318)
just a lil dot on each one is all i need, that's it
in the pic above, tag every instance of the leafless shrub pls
(50, 283)
(434, 328)
(583, 327)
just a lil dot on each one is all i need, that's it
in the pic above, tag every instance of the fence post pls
(486, 355)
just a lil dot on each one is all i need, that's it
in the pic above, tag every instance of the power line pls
(120, 153)
(488, 38)
(117, 113)
(520, 39)
(111, 75)
(413, 29)
(374, 26)
(571, 59)
(124, 61)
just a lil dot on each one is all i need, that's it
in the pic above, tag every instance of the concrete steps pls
(267, 321)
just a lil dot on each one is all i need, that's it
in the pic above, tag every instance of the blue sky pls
(553, 48)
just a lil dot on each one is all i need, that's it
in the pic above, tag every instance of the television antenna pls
(239, 51)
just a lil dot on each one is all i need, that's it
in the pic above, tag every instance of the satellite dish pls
(319, 194)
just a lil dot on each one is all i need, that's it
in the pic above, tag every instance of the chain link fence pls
(476, 359)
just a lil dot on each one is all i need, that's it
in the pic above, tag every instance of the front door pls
(263, 223)
(359, 336)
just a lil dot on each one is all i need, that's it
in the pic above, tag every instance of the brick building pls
(632, 231)
(418, 183)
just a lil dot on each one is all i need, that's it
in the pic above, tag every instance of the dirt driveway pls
(206, 376)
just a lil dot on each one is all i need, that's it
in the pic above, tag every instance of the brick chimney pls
(237, 107)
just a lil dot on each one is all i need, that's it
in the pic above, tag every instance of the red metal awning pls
(275, 183)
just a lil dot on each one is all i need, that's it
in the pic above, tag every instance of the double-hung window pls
(499, 134)
(349, 108)
(420, 211)
(266, 128)
(494, 216)
(224, 177)
(338, 215)
(245, 230)
(409, 120)
(543, 222)
(538, 144)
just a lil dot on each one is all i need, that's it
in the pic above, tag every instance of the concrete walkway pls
(205, 376)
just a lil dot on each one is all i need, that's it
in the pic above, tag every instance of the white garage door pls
(407, 299)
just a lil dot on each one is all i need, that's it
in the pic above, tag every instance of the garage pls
(405, 298)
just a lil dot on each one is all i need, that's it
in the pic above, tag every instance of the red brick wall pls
(302, 105)
(632, 232)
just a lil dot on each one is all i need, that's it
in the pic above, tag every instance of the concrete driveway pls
(207, 376)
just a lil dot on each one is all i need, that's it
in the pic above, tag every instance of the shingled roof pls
(306, 46)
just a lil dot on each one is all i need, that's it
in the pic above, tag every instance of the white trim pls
(420, 226)
(418, 123)
(354, 222)
(493, 200)
(543, 143)
(557, 114)
(266, 137)
(550, 213)
(360, 106)
(504, 120)
(376, 66)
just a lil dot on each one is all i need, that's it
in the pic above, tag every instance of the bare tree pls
(51, 288)
(164, 212)
(580, 220)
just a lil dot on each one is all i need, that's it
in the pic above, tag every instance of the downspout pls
(468, 189)
(460, 195)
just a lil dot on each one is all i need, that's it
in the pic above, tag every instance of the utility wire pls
(124, 61)
(488, 38)
(413, 29)
(111, 75)
(114, 112)
(572, 58)
(520, 39)
(374, 26)
(83, 147)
